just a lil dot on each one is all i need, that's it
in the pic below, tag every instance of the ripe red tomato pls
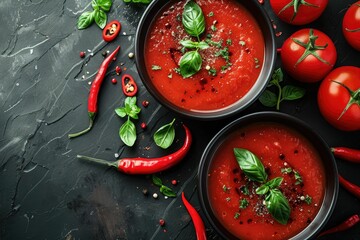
(338, 98)
(351, 25)
(298, 12)
(308, 55)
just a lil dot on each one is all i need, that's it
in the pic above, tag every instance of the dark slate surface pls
(46, 193)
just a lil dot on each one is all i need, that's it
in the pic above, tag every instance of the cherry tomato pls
(111, 30)
(339, 98)
(308, 55)
(298, 12)
(351, 25)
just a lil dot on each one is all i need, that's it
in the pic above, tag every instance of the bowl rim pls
(330, 169)
(270, 54)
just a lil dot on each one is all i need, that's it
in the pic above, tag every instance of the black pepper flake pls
(308, 221)
(241, 222)
(236, 180)
(167, 25)
(296, 151)
(281, 156)
(249, 221)
(182, 100)
(145, 192)
(104, 53)
(236, 170)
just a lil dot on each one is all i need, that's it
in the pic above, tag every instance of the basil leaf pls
(156, 181)
(292, 93)
(121, 112)
(263, 189)
(100, 18)
(193, 19)
(250, 165)
(138, 1)
(165, 135)
(94, 4)
(275, 182)
(278, 206)
(167, 191)
(277, 77)
(130, 100)
(268, 99)
(85, 20)
(127, 133)
(190, 63)
(104, 4)
(190, 44)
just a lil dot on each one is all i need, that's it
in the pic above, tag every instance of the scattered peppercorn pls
(143, 125)
(145, 192)
(118, 70)
(104, 53)
(145, 103)
(131, 55)
(114, 81)
(155, 195)
(82, 54)
(162, 222)
(114, 59)
(174, 182)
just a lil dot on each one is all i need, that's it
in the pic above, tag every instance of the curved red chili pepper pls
(129, 85)
(352, 188)
(352, 155)
(94, 92)
(350, 222)
(111, 30)
(195, 216)
(140, 165)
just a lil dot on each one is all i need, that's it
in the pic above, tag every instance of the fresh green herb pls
(250, 165)
(229, 42)
(190, 63)
(278, 206)
(286, 170)
(224, 53)
(225, 188)
(163, 189)
(165, 135)
(245, 190)
(288, 92)
(244, 203)
(237, 215)
(298, 177)
(213, 28)
(275, 201)
(155, 67)
(127, 131)
(210, 14)
(228, 199)
(242, 43)
(208, 36)
(213, 43)
(308, 199)
(100, 7)
(193, 20)
(177, 70)
(138, 1)
(212, 72)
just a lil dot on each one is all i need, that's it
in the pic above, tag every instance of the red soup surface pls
(230, 67)
(284, 153)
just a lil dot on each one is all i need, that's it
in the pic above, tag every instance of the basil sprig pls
(138, 1)
(275, 201)
(288, 92)
(127, 131)
(100, 7)
(165, 135)
(193, 20)
(163, 189)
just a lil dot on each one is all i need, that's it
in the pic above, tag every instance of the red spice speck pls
(114, 59)
(114, 81)
(278, 50)
(145, 103)
(118, 70)
(162, 222)
(261, 1)
(82, 54)
(143, 125)
(174, 182)
(278, 34)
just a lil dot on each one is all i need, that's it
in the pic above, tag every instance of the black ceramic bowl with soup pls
(235, 68)
(288, 148)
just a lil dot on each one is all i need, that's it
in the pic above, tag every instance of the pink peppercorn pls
(114, 81)
(162, 222)
(82, 54)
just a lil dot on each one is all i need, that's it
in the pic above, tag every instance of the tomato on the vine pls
(339, 98)
(298, 12)
(308, 55)
(351, 25)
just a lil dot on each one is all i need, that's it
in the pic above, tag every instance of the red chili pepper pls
(354, 189)
(195, 216)
(111, 30)
(350, 222)
(140, 165)
(94, 92)
(129, 86)
(352, 155)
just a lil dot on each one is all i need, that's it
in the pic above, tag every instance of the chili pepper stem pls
(91, 123)
(98, 160)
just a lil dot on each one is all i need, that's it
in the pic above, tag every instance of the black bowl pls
(264, 22)
(331, 180)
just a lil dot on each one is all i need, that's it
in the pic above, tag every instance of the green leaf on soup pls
(193, 19)
(190, 63)
(278, 206)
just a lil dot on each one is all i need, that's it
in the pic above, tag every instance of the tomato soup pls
(284, 153)
(230, 65)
